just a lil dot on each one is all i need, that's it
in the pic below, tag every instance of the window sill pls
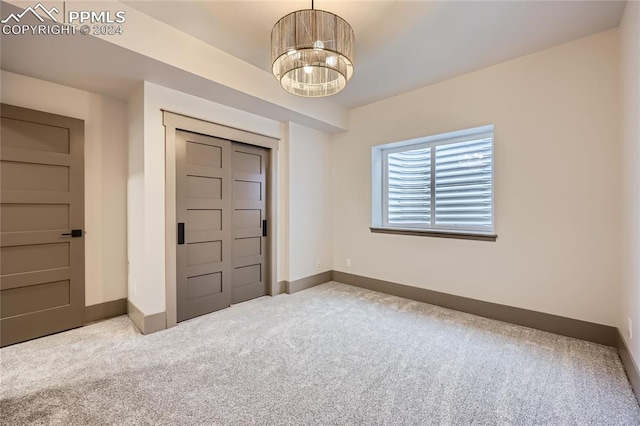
(462, 235)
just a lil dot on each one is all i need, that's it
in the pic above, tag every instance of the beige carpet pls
(333, 354)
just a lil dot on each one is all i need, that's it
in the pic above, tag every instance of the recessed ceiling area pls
(400, 45)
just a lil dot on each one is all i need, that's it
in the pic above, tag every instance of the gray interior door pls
(249, 212)
(41, 202)
(203, 211)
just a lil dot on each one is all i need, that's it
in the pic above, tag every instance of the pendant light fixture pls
(312, 52)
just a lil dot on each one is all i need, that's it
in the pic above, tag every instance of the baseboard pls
(105, 310)
(308, 282)
(584, 330)
(629, 365)
(147, 324)
(280, 288)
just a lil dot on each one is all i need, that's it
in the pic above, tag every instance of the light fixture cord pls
(311, 4)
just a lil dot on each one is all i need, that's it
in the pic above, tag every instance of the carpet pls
(330, 355)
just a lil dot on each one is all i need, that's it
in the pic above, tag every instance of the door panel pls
(203, 196)
(34, 177)
(251, 191)
(209, 188)
(249, 210)
(22, 300)
(33, 217)
(247, 219)
(204, 253)
(35, 136)
(41, 198)
(204, 285)
(34, 257)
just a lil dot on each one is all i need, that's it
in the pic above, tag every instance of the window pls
(438, 185)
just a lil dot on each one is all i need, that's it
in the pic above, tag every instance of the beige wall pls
(630, 42)
(105, 175)
(135, 196)
(557, 160)
(309, 233)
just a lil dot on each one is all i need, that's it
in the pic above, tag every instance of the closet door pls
(204, 208)
(249, 222)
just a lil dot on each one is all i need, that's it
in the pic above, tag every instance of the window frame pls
(380, 186)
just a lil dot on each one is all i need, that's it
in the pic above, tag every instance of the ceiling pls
(400, 45)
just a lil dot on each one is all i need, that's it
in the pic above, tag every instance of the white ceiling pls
(400, 45)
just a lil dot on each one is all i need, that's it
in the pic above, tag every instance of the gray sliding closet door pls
(249, 230)
(203, 203)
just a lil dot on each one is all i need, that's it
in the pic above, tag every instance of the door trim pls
(173, 122)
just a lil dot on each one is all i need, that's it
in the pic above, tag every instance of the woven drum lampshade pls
(312, 53)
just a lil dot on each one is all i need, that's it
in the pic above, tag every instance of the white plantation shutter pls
(463, 184)
(442, 182)
(409, 187)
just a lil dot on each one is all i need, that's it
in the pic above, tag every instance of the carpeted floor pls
(333, 354)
